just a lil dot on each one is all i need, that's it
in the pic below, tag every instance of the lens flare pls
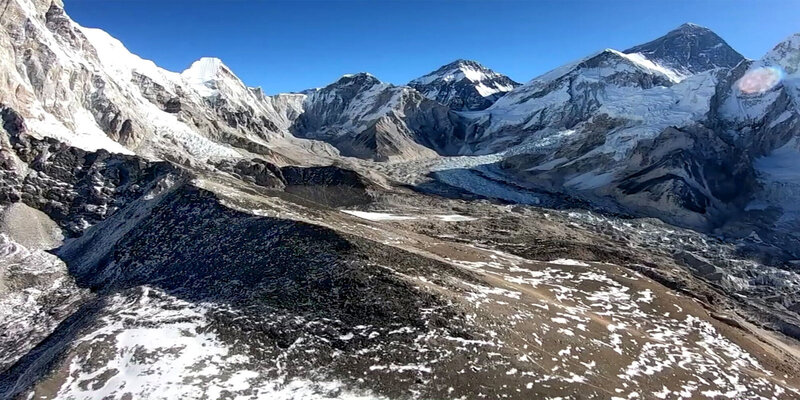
(760, 80)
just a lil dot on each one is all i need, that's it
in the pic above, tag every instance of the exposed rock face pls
(689, 49)
(13, 123)
(464, 85)
(676, 172)
(366, 118)
(256, 171)
(76, 188)
(330, 186)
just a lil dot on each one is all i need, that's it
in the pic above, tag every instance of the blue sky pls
(293, 45)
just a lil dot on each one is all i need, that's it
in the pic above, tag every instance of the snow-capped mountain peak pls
(786, 54)
(211, 78)
(689, 49)
(363, 79)
(206, 70)
(458, 70)
(464, 85)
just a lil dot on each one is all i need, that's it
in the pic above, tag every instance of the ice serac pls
(689, 49)
(464, 85)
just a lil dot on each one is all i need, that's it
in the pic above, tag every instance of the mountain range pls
(457, 236)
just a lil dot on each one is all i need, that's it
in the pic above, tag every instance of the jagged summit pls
(210, 77)
(786, 54)
(689, 49)
(463, 65)
(691, 26)
(360, 78)
(464, 85)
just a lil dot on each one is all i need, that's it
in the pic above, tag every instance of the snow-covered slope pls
(464, 85)
(84, 87)
(609, 82)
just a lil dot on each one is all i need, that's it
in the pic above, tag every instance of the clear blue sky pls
(293, 45)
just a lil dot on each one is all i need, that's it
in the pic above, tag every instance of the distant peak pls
(461, 64)
(461, 69)
(207, 63)
(791, 42)
(464, 62)
(691, 26)
(360, 78)
(358, 75)
(206, 69)
(689, 49)
(463, 85)
(786, 54)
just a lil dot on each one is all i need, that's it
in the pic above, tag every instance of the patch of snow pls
(86, 134)
(377, 216)
(455, 218)
(643, 61)
(161, 349)
(567, 261)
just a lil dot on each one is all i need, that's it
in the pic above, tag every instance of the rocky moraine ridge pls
(624, 226)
